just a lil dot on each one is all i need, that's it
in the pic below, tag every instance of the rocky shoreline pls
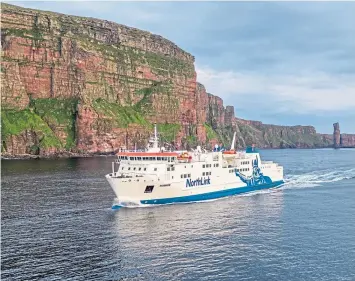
(90, 155)
(54, 156)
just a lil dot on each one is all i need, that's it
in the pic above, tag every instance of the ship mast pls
(153, 143)
(155, 140)
(233, 141)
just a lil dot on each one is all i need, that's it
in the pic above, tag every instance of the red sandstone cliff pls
(91, 86)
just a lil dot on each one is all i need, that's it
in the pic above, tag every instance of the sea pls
(57, 224)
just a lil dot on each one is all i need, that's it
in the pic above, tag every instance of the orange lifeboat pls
(229, 152)
(184, 156)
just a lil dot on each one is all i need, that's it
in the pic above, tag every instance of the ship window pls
(165, 158)
(140, 169)
(173, 168)
(203, 173)
(155, 169)
(145, 169)
(189, 175)
(134, 168)
(172, 177)
(182, 176)
(149, 189)
(131, 158)
(203, 166)
(168, 169)
(129, 168)
(159, 158)
(140, 158)
(122, 168)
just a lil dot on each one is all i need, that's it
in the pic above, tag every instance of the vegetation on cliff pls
(168, 132)
(121, 116)
(14, 122)
(210, 133)
(58, 113)
(75, 83)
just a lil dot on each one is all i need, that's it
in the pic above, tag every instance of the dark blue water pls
(57, 225)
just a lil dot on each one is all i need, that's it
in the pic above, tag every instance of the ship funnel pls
(233, 141)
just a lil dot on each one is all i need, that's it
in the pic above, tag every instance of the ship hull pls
(135, 196)
(211, 195)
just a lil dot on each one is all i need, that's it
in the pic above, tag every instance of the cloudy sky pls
(284, 63)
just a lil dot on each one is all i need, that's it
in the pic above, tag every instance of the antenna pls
(233, 141)
(155, 131)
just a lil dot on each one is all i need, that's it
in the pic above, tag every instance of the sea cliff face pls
(83, 85)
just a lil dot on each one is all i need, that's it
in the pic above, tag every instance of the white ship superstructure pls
(159, 177)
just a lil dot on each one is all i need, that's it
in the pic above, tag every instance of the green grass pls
(168, 132)
(58, 112)
(121, 115)
(25, 33)
(191, 140)
(210, 133)
(15, 122)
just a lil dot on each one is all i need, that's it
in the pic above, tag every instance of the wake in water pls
(316, 178)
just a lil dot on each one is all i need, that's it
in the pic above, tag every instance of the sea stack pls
(336, 135)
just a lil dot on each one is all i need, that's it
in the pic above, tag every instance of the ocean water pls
(57, 224)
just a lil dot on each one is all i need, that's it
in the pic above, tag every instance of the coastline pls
(110, 154)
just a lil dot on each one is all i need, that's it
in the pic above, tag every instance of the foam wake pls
(316, 178)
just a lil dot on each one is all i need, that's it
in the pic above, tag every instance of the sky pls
(285, 63)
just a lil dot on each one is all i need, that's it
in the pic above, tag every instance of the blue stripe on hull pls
(212, 195)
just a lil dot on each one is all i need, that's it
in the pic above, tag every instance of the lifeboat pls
(184, 156)
(229, 152)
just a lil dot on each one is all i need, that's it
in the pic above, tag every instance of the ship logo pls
(198, 182)
(257, 177)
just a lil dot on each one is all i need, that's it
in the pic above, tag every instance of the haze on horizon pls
(283, 63)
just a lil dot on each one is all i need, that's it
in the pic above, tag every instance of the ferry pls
(156, 176)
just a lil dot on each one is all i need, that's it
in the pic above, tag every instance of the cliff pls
(83, 85)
